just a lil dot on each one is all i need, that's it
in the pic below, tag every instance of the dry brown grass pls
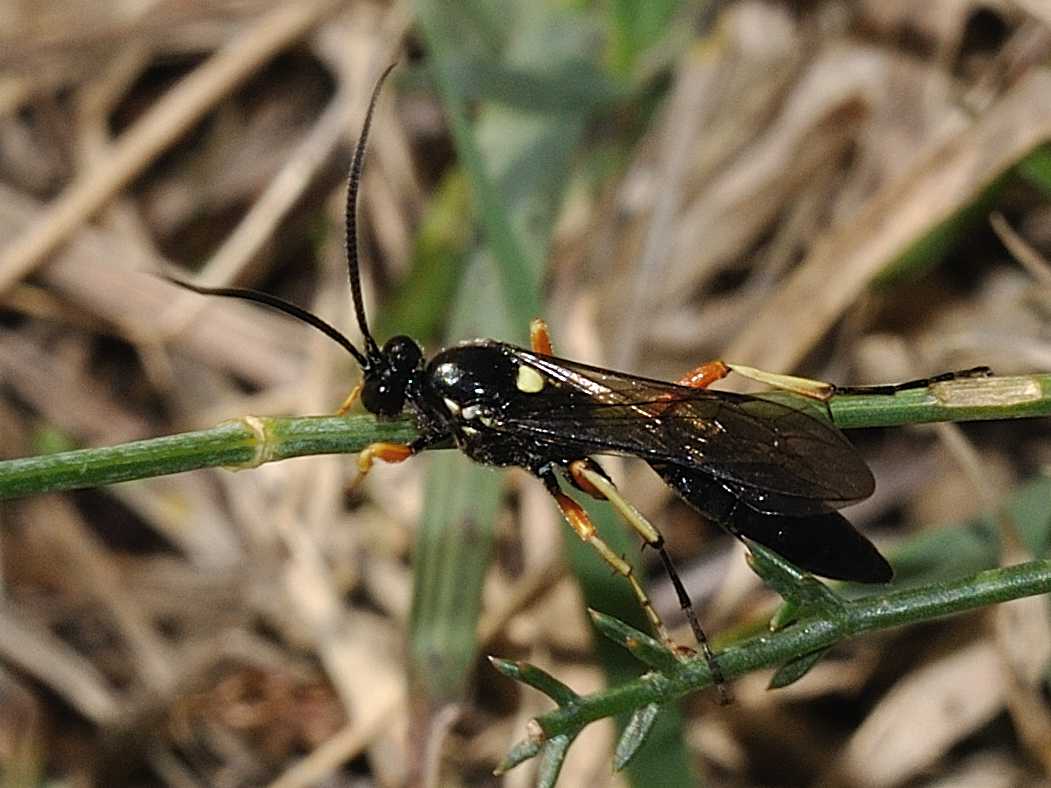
(222, 629)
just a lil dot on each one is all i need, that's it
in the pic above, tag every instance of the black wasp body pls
(760, 469)
(763, 470)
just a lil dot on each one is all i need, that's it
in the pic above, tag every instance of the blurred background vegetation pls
(857, 191)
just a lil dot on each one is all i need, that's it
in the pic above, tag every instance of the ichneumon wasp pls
(764, 471)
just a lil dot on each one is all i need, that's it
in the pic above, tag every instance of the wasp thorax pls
(473, 381)
(387, 380)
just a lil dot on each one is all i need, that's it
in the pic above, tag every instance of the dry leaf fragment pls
(925, 714)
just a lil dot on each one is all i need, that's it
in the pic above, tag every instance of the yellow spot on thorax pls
(529, 380)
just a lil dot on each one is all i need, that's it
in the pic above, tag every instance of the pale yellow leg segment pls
(580, 522)
(348, 403)
(594, 482)
(815, 389)
(588, 477)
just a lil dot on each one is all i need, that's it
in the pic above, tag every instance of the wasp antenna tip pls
(353, 186)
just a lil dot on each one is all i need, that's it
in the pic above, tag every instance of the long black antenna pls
(353, 181)
(372, 350)
(281, 305)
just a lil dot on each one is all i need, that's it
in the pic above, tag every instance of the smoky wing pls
(796, 463)
(819, 541)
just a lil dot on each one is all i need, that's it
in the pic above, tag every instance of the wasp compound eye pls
(383, 396)
(403, 355)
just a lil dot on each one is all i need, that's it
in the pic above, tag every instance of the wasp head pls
(389, 376)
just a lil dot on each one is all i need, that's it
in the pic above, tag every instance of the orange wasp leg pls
(589, 477)
(705, 375)
(711, 371)
(540, 342)
(540, 337)
(388, 452)
(583, 527)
